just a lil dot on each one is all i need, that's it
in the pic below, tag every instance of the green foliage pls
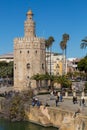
(85, 85)
(36, 77)
(63, 43)
(82, 65)
(14, 108)
(17, 105)
(49, 42)
(6, 69)
(40, 77)
(43, 93)
(63, 81)
(65, 37)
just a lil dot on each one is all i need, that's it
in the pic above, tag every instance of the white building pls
(7, 57)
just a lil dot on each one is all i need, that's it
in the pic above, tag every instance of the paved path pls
(67, 104)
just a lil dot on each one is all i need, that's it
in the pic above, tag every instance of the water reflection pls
(7, 125)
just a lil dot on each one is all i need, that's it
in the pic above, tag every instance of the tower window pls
(36, 51)
(28, 65)
(15, 66)
(57, 66)
(42, 66)
(27, 77)
(20, 52)
(28, 51)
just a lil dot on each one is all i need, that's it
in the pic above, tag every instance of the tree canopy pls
(6, 69)
(82, 65)
(63, 43)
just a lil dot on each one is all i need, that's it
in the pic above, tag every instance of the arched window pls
(28, 65)
(36, 51)
(42, 66)
(15, 66)
(27, 77)
(28, 51)
(57, 66)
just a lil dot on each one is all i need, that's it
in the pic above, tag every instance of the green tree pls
(16, 105)
(6, 69)
(6, 72)
(36, 77)
(63, 80)
(82, 64)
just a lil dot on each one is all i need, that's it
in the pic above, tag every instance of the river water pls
(7, 125)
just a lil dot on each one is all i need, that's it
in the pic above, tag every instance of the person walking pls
(57, 100)
(61, 97)
(83, 101)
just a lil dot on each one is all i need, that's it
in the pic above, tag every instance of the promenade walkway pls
(66, 104)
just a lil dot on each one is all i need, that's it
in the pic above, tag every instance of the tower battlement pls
(28, 39)
(20, 43)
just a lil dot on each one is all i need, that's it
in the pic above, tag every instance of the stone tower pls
(29, 55)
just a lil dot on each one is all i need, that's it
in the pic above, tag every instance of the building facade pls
(55, 67)
(29, 56)
(6, 57)
(72, 64)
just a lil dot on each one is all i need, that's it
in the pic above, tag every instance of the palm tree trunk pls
(65, 61)
(45, 62)
(50, 59)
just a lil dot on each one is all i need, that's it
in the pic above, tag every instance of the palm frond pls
(83, 45)
(63, 45)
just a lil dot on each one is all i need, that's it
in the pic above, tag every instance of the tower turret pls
(29, 25)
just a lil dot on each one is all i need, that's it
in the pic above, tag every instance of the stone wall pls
(64, 120)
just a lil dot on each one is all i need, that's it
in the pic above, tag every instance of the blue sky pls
(52, 17)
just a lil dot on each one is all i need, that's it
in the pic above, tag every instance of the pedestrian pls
(61, 97)
(56, 102)
(58, 98)
(74, 100)
(83, 101)
(38, 103)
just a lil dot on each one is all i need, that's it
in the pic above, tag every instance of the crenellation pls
(28, 39)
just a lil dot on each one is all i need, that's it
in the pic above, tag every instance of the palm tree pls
(63, 45)
(50, 42)
(65, 39)
(46, 54)
(63, 81)
(37, 78)
(83, 45)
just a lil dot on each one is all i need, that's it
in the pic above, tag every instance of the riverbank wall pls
(62, 119)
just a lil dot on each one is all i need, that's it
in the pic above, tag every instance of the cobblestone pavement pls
(66, 104)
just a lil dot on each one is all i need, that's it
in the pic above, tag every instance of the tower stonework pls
(29, 56)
